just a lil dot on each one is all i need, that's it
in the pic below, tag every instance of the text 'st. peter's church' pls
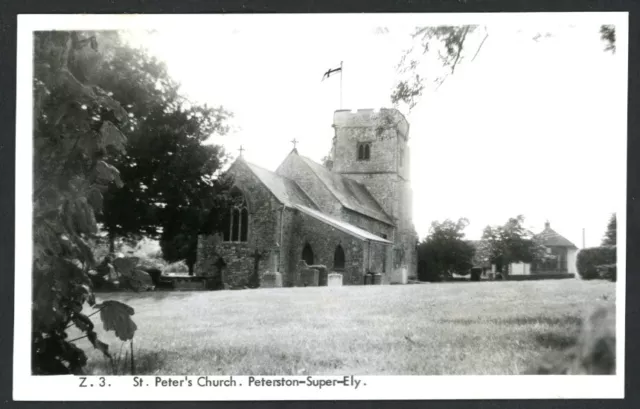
(353, 215)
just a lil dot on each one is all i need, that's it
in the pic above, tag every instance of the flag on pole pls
(331, 71)
(334, 71)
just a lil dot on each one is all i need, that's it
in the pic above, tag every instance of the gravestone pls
(271, 280)
(334, 280)
(307, 276)
(322, 274)
(399, 276)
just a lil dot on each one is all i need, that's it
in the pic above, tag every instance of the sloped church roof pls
(285, 190)
(349, 193)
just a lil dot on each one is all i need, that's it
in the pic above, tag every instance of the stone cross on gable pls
(294, 142)
(241, 149)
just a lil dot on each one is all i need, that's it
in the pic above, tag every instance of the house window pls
(338, 258)
(238, 219)
(364, 150)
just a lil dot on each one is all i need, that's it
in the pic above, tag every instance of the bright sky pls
(529, 127)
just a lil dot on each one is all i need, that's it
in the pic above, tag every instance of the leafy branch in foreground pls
(76, 127)
(450, 44)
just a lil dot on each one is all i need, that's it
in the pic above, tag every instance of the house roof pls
(285, 190)
(550, 237)
(350, 193)
(342, 225)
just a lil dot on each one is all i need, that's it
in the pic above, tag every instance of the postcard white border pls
(28, 387)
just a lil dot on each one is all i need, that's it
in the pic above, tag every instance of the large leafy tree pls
(611, 233)
(510, 243)
(445, 251)
(451, 45)
(75, 126)
(168, 169)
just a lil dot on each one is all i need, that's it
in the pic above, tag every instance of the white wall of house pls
(520, 269)
(572, 255)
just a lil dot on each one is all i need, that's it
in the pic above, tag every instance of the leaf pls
(83, 322)
(111, 136)
(116, 316)
(106, 174)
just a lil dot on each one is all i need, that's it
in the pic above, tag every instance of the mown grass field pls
(428, 329)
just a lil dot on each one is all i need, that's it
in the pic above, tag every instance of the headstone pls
(306, 276)
(271, 280)
(334, 280)
(400, 276)
(322, 274)
(377, 279)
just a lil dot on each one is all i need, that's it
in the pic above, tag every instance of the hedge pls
(591, 260)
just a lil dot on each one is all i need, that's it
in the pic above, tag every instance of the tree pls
(611, 233)
(510, 243)
(444, 251)
(75, 125)
(452, 44)
(169, 170)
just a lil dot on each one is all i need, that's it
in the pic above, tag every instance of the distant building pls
(562, 253)
(353, 216)
(561, 257)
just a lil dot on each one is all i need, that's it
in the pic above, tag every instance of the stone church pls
(352, 215)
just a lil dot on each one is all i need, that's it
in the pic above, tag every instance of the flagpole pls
(340, 84)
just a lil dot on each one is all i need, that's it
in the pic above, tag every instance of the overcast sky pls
(529, 127)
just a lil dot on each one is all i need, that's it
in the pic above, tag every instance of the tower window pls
(364, 150)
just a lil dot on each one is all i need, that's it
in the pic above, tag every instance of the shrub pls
(179, 267)
(590, 259)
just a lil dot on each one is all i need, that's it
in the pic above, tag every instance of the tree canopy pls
(445, 251)
(610, 236)
(510, 243)
(169, 169)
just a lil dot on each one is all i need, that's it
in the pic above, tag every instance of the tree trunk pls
(112, 243)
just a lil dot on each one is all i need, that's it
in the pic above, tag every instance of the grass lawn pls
(448, 328)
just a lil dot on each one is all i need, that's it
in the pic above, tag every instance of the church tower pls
(371, 147)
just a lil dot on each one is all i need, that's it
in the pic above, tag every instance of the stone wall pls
(323, 240)
(386, 130)
(263, 235)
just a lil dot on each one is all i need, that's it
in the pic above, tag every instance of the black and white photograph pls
(321, 206)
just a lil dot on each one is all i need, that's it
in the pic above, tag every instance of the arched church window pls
(338, 258)
(239, 218)
(307, 254)
(244, 224)
(367, 149)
